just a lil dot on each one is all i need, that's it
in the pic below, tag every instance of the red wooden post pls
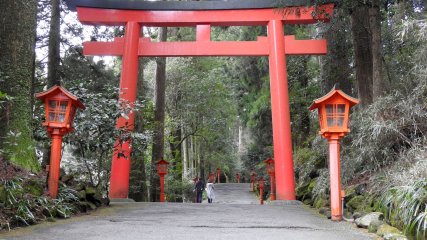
(335, 177)
(218, 173)
(162, 188)
(273, 190)
(238, 177)
(55, 160)
(271, 172)
(284, 166)
(212, 177)
(120, 166)
(253, 177)
(261, 190)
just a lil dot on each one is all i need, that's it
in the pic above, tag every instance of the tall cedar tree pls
(377, 66)
(362, 52)
(159, 117)
(53, 77)
(337, 36)
(17, 44)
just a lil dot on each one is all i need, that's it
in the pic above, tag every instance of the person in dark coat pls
(200, 186)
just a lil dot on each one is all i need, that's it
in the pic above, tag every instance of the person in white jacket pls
(210, 191)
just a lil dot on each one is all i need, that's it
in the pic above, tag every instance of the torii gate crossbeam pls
(276, 46)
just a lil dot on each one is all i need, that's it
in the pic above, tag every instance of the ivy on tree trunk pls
(17, 44)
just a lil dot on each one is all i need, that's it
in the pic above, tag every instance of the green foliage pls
(307, 163)
(200, 104)
(394, 126)
(3, 97)
(360, 203)
(387, 142)
(19, 149)
(11, 190)
(406, 206)
(177, 190)
(23, 208)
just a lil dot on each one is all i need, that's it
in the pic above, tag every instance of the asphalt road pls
(235, 214)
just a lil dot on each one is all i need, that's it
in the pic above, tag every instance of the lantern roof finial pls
(337, 86)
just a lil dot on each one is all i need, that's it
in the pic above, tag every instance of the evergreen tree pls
(17, 44)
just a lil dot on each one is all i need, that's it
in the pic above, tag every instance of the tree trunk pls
(362, 53)
(17, 44)
(53, 77)
(191, 157)
(184, 156)
(159, 117)
(175, 147)
(336, 64)
(303, 121)
(200, 167)
(377, 73)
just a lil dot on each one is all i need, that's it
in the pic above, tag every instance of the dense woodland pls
(205, 113)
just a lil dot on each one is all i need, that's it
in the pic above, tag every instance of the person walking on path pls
(200, 186)
(210, 191)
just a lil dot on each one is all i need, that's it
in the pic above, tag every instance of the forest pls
(201, 114)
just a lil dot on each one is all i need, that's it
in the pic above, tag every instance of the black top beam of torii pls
(188, 5)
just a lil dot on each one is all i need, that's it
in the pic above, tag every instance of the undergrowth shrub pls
(406, 207)
(381, 132)
(178, 191)
(21, 208)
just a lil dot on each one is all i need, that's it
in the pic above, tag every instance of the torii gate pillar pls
(120, 165)
(284, 167)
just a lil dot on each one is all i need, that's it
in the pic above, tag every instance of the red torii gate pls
(276, 46)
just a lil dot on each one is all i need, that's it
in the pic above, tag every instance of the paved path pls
(234, 193)
(235, 214)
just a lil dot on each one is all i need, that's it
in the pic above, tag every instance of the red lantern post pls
(261, 190)
(253, 177)
(333, 110)
(218, 173)
(238, 177)
(60, 109)
(162, 170)
(271, 172)
(212, 177)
